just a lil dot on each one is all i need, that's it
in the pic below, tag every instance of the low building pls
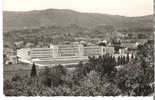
(9, 52)
(129, 45)
(141, 41)
(10, 55)
(12, 60)
(29, 45)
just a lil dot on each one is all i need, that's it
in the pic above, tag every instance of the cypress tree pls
(132, 57)
(33, 70)
(114, 61)
(128, 58)
(118, 60)
(121, 60)
(124, 62)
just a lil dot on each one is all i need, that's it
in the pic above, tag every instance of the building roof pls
(29, 44)
(129, 45)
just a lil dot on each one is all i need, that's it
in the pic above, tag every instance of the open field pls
(16, 67)
(22, 70)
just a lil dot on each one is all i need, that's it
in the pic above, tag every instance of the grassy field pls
(20, 69)
(15, 67)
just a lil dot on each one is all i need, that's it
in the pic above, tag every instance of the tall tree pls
(132, 57)
(33, 70)
(128, 58)
(4, 58)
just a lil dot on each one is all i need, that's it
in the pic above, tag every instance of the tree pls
(127, 58)
(142, 36)
(91, 85)
(102, 44)
(61, 69)
(135, 78)
(46, 77)
(33, 70)
(132, 57)
(4, 58)
(118, 60)
(124, 62)
(95, 85)
(121, 60)
(53, 76)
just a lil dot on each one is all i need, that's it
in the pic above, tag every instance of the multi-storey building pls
(41, 53)
(61, 54)
(92, 50)
(68, 51)
(24, 55)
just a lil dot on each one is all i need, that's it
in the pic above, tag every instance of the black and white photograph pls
(83, 48)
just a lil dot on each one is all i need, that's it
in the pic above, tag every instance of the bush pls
(52, 76)
(7, 84)
(10, 92)
(16, 78)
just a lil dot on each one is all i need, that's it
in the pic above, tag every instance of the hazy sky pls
(119, 7)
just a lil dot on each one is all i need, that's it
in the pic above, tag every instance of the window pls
(28, 53)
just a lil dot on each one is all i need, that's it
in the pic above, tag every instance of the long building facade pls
(61, 54)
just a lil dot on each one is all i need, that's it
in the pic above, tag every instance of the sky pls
(114, 7)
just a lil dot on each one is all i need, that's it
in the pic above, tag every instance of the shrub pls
(52, 76)
(7, 85)
(16, 78)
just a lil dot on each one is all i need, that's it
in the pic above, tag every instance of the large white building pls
(67, 50)
(24, 55)
(61, 54)
(41, 53)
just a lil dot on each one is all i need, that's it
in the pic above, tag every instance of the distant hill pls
(63, 18)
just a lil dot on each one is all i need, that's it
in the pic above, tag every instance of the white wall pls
(23, 53)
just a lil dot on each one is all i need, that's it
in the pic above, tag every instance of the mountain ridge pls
(48, 9)
(14, 20)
